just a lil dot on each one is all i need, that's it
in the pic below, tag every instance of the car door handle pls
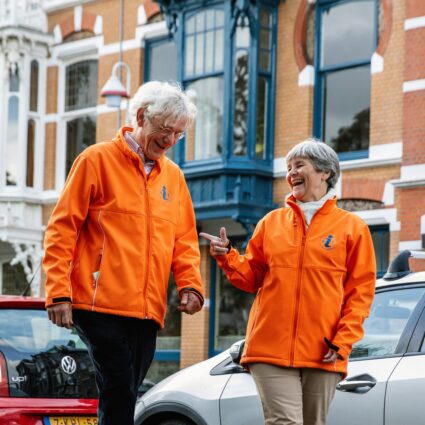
(354, 385)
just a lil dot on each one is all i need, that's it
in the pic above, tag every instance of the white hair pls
(323, 157)
(162, 102)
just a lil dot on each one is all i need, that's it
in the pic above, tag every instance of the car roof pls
(418, 277)
(19, 301)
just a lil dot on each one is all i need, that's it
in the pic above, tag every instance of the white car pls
(385, 382)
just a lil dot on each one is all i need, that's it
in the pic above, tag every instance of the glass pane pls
(199, 61)
(30, 153)
(81, 85)
(381, 246)
(232, 311)
(264, 60)
(210, 14)
(209, 51)
(262, 101)
(14, 283)
(12, 142)
(219, 50)
(14, 81)
(169, 337)
(219, 18)
(200, 21)
(348, 32)
(265, 18)
(80, 133)
(34, 86)
(240, 123)
(347, 109)
(208, 97)
(163, 61)
(388, 316)
(190, 25)
(265, 39)
(190, 51)
(242, 37)
(159, 370)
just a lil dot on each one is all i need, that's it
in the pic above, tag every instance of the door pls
(360, 398)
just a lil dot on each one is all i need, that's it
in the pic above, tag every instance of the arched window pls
(12, 142)
(30, 153)
(34, 86)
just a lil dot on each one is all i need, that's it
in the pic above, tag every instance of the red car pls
(46, 375)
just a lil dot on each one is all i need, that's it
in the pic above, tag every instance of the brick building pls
(265, 75)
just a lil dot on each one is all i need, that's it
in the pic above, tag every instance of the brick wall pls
(50, 157)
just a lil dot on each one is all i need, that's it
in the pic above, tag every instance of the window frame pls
(322, 72)
(382, 229)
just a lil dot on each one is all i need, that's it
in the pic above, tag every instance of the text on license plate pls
(70, 420)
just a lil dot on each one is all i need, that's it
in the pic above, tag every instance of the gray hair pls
(162, 102)
(323, 157)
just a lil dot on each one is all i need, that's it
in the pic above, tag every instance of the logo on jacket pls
(165, 194)
(68, 365)
(328, 242)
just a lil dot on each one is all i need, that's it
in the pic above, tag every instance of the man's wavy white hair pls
(162, 102)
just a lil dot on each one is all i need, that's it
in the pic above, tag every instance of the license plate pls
(70, 420)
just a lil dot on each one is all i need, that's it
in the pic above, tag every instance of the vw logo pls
(68, 365)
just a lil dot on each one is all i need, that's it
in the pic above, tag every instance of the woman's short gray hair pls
(323, 157)
(162, 102)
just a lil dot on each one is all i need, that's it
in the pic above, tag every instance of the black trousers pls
(121, 349)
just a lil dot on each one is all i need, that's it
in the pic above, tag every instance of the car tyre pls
(176, 421)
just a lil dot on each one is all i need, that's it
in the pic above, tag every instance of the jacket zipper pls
(148, 233)
(100, 262)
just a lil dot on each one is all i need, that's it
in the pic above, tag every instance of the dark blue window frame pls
(227, 159)
(322, 72)
(382, 250)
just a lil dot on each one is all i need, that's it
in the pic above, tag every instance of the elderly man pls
(123, 221)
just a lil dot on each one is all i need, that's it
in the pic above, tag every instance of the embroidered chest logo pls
(328, 242)
(165, 195)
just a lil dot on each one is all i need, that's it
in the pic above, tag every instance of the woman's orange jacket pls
(115, 234)
(311, 285)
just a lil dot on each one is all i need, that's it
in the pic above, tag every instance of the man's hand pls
(189, 303)
(61, 315)
(218, 244)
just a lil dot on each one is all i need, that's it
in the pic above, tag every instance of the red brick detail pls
(67, 27)
(415, 8)
(417, 265)
(387, 23)
(88, 21)
(412, 207)
(151, 9)
(414, 128)
(415, 54)
(300, 34)
(362, 188)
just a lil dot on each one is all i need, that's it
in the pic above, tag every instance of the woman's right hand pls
(218, 244)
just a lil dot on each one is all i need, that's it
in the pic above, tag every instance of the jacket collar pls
(127, 151)
(327, 207)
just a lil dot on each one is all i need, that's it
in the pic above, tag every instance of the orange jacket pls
(311, 285)
(115, 234)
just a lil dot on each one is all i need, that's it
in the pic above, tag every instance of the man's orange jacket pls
(312, 285)
(115, 234)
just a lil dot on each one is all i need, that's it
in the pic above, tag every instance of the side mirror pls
(236, 350)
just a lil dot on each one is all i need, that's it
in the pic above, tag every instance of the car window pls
(31, 330)
(388, 317)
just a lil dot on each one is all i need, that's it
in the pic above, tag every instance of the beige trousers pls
(293, 396)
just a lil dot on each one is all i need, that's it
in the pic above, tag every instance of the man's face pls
(156, 138)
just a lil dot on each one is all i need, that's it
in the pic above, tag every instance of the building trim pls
(410, 245)
(413, 85)
(78, 18)
(381, 216)
(55, 5)
(376, 64)
(413, 23)
(306, 76)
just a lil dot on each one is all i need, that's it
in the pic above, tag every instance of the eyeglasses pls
(168, 132)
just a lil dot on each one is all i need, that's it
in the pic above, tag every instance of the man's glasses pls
(168, 132)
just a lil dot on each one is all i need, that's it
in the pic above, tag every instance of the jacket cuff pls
(58, 300)
(193, 291)
(341, 353)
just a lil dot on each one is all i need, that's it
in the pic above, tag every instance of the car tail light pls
(4, 382)
(36, 420)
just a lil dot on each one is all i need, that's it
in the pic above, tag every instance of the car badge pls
(68, 365)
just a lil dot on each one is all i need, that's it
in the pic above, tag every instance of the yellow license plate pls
(71, 420)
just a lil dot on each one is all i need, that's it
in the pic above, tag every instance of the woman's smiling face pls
(306, 183)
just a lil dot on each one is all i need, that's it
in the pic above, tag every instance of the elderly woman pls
(122, 222)
(312, 267)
